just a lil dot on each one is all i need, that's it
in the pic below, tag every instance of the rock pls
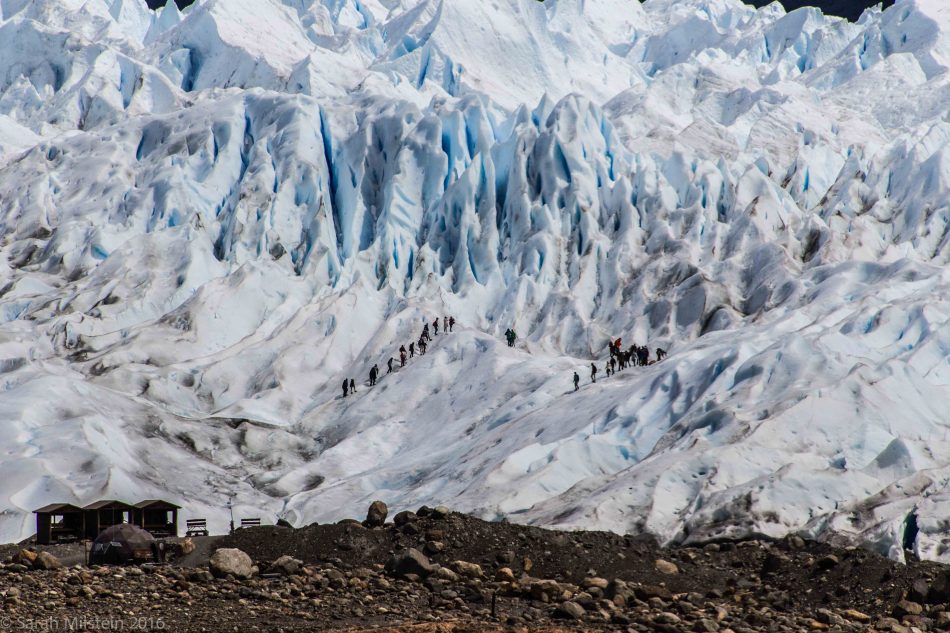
(939, 590)
(666, 567)
(646, 592)
(284, 523)
(545, 590)
(827, 562)
(286, 565)
(569, 610)
(376, 515)
(527, 564)
(505, 575)
(231, 561)
(186, 546)
(919, 590)
(409, 561)
(942, 620)
(773, 563)
(795, 542)
(600, 583)
(907, 607)
(506, 557)
(826, 616)
(24, 557)
(440, 512)
(434, 547)
(855, 616)
(706, 626)
(404, 517)
(45, 560)
(469, 570)
(667, 617)
(446, 574)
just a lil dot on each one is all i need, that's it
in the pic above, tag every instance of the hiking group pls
(620, 359)
(448, 325)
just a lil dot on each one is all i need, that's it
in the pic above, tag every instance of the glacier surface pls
(210, 217)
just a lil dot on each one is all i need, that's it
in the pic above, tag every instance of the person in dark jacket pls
(389, 365)
(593, 372)
(435, 326)
(660, 354)
(577, 381)
(451, 324)
(346, 387)
(412, 349)
(352, 386)
(374, 372)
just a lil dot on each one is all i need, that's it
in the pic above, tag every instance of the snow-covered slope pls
(210, 218)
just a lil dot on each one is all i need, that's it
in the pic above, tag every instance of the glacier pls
(210, 217)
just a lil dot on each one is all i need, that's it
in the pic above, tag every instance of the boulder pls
(376, 515)
(827, 562)
(666, 567)
(45, 560)
(286, 565)
(440, 512)
(186, 546)
(409, 561)
(569, 610)
(505, 574)
(404, 517)
(468, 570)
(231, 561)
(24, 557)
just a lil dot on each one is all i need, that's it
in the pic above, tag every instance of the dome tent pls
(122, 544)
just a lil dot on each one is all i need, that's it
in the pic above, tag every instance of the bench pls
(196, 527)
(250, 523)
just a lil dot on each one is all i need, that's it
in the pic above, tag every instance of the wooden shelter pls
(58, 522)
(158, 517)
(106, 513)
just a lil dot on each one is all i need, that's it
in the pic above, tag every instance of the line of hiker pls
(448, 325)
(620, 359)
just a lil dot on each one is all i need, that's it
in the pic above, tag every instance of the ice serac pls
(211, 217)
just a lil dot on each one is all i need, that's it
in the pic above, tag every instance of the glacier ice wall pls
(210, 217)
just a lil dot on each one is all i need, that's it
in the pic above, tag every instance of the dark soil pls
(479, 576)
(859, 580)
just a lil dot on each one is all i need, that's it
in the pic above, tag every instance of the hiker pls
(425, 332)
(422, 346)
(389, 365)
(643, 356)
(412, 349)
(375, 372)
(660, 354)
(402, 358)
(577, 381)
(352, 386)
(607, 369)
(511, 336)
(451, 324)
(593, 372)
(346, 387)
(613, 365)
(445, 325)
(435, 326)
